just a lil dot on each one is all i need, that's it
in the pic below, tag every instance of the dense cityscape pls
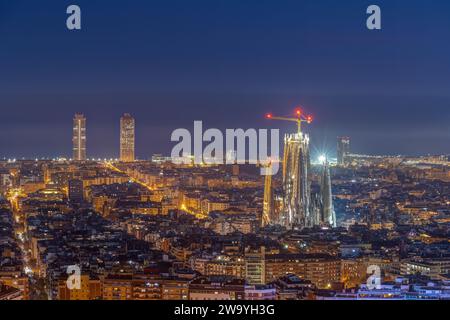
(349, 227)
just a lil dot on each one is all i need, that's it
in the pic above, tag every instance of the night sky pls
(226, 62)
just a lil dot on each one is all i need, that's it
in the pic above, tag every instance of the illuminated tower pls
(75, 190)
(268, 198)
(343, 149)
(296, 182)
(328, 214)
(296, 176)
(127, 138)
(79, 137)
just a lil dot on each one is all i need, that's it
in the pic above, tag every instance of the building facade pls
(328, 214)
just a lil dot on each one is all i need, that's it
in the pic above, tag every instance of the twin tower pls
(127, 138)
(301, 208)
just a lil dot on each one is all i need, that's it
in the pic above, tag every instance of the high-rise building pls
(76, 193)
(296, 181)
(90, 289)
(328, 213)
(343, 149)
(316, 209)
(268, 205)
(255, 271)
(127, 127)
(79, 137)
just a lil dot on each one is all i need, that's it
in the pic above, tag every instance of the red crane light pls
(309, 119)
(269, 116)
(298, 112)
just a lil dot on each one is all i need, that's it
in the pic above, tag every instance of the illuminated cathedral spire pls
(268, 205)
(296, 174)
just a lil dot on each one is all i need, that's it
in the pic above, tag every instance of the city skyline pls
(127, 131)
(221, 156)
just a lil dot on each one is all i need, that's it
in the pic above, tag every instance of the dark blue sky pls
(226, 62)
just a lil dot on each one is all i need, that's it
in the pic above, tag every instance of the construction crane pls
(299, 118)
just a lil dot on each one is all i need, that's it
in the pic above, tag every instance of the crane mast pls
(298, 119)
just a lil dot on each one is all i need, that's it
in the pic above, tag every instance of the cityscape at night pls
(193, 151)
